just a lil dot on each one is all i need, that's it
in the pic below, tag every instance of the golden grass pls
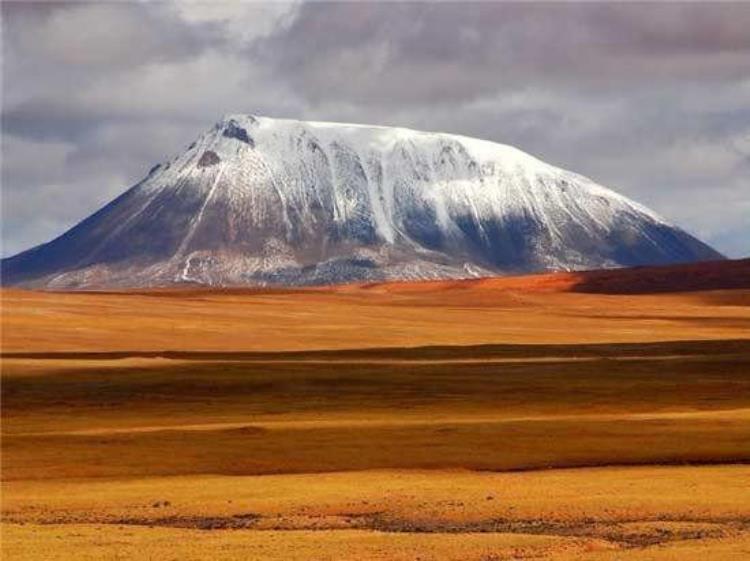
(384, 454)
(355, 317)
(609, 513)
(94, 543)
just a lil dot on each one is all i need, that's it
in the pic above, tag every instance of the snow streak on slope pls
(257, 200)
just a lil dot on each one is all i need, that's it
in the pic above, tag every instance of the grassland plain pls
(471, 421)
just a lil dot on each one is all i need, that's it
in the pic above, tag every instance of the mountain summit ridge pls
(257, 201)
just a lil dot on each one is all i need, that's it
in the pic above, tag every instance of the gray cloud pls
(650, 99)
(412, 52)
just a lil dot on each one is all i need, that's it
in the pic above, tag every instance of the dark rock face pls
(233, 130)
(208, 159)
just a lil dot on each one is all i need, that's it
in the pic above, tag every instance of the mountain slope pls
(267, 201)
(727, 274)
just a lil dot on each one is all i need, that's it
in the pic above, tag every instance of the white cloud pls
(243, 21)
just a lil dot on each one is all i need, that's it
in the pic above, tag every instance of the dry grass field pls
(480, 420)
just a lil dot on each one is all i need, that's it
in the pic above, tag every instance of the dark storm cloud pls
(650, 99)
(102, 34)
(412, 53)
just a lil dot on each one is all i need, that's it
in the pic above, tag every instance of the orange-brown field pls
(480, 420)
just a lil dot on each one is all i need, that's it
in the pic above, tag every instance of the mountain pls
(257, 201)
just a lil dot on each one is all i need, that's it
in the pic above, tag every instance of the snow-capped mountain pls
(258, 201)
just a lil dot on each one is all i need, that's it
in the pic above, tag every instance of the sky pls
(651, 100)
